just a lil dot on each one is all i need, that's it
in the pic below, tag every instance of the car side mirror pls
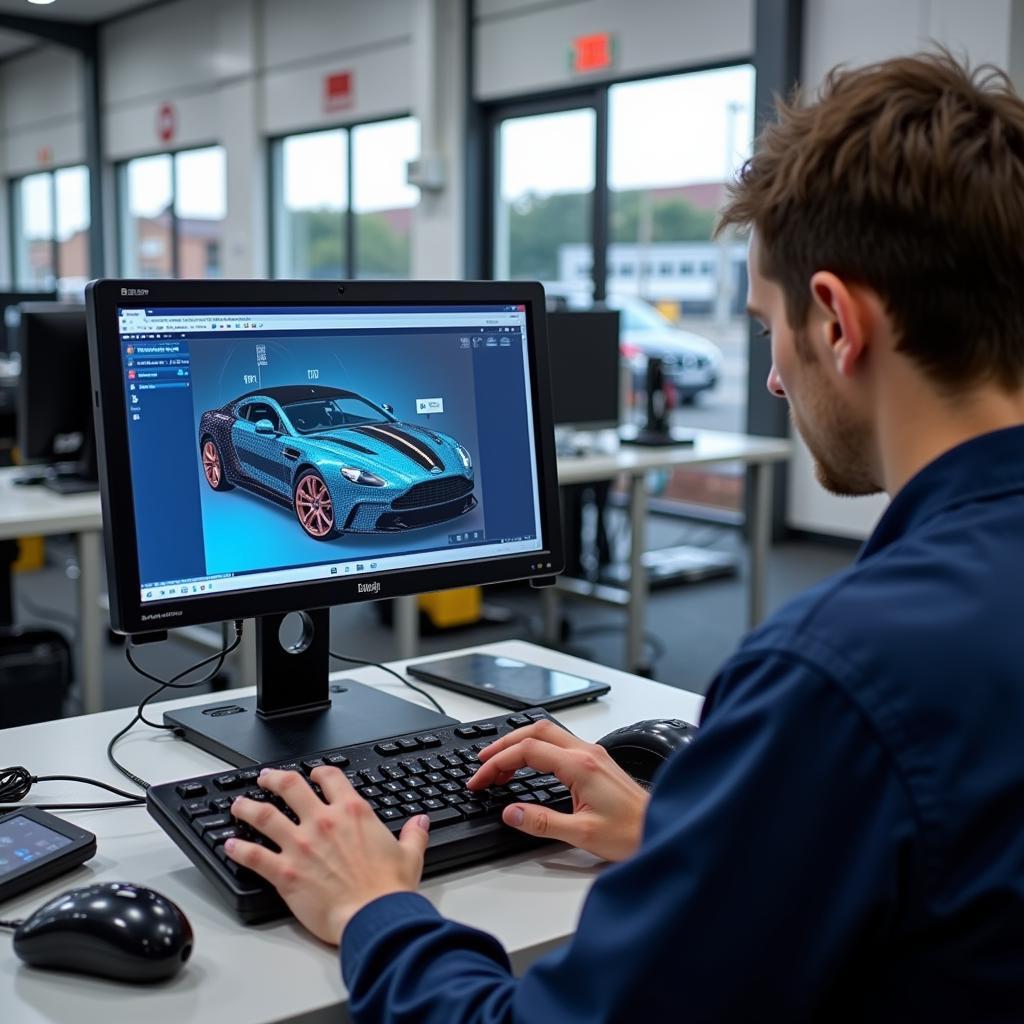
(265, 427)
(388, 408)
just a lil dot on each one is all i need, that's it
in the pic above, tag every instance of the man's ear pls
(841, 322)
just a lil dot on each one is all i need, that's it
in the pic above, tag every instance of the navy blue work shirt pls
(843, 841)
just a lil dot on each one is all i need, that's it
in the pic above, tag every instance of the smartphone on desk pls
(508, 682)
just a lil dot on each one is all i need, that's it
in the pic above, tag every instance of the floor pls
(692, 628)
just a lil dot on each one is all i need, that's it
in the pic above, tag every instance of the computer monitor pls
(584, 353)
(55, 420)
(9, 300)
(277, 446)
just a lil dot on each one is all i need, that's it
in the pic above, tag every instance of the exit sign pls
(594, 52)
(339, 91)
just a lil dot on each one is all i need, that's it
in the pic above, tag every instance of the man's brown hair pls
(906, 176)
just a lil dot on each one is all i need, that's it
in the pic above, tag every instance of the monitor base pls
(233, 731)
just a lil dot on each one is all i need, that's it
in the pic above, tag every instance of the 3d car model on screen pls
(339, 461)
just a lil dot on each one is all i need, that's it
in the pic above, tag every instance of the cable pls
(16, 781)
(390, 671)
(11, 924)
(163, 684)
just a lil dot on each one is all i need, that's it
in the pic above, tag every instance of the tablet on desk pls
(508, 682)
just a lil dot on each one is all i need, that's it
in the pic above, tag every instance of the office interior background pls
(583, 143)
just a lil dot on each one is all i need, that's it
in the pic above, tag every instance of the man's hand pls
(608, 806)
(337, 859)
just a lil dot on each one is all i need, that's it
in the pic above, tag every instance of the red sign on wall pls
(591, 53)
(339, 91)
(44, 156)
(166, 122)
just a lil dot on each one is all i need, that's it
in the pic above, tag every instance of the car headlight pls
(361, 476)
(467, 459)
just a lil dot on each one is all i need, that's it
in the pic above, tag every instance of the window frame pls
(121, 198)
(14, 219)
(275, 188)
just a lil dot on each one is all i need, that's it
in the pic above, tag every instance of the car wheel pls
(314, 508)
(213, 465)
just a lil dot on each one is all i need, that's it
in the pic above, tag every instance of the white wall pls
(523, 46)
(837, 31)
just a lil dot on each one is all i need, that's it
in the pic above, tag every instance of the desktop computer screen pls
(273, 448)
(55, 420)
(9, 301)
(584, 352)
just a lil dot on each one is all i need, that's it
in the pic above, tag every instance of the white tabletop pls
(38, 511)
(276, 972)
(709, 446)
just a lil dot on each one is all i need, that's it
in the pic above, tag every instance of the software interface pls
(271, 446)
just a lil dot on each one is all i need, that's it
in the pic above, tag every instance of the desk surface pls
(39, 511)
(276, 972)
(709, 446)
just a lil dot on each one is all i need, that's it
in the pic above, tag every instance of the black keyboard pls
(401, 776)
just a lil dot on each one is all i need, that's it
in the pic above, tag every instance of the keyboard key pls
(451, 760)
(390, 800)
(371, 778)
(389, 814)
(217, 836)
(392, 771)
(338, 760)
(370, 791)
(433, 763)
(558, 791)
(408, 796)
(542, 782)
(429, 791)
(432, 805)
(526, 773)
(415, 782)
(393, 786)
(527, 798)
(480, 746)
(430, 740)
(223, 803)
(466, 732)
(387, 748)
(190, 790)
(453, 799)
(312, 762)
(517, 721)
(412, 808)
(411, 767)
(457, 773)
(444, 816)
(290, 766)
(195, 808)
(249, 774)
(211, 821)
(541, 796)
(517, 787)
(408, 743)
(451, 787)
(487, 729)
(535, 716)
(472, 809)
(435, 777)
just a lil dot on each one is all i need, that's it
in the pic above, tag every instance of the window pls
(173, 207)
(51, 230)
(542, 215)
(341, 203)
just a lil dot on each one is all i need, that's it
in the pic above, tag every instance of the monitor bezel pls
(127, 612)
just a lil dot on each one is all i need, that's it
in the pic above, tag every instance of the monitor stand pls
(297, 710)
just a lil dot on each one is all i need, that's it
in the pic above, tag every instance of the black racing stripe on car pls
(402, 442)
(345, 444)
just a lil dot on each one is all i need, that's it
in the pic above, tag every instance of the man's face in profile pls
(838, 437)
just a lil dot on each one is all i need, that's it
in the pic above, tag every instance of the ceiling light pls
(41, 3)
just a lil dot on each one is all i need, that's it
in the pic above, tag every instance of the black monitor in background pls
(9, 300)
(55, 420)
(270, 447)
(584, 354)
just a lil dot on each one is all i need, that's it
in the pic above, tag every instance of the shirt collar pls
(982, 467)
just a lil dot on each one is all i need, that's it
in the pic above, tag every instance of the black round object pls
(113, 929)
(642, 748)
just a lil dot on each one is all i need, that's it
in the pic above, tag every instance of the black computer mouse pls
(642, 748)
(112, 929)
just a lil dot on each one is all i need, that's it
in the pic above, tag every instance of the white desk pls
(276, 972)
(38, 511)
(710, 446)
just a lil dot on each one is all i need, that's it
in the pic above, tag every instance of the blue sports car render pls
(340, 462)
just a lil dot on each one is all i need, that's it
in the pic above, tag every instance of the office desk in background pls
(276, 972)
(38, 511)
(709, 447)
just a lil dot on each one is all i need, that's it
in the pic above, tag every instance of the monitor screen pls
(584, 353)
(276, 445)
(54, 409)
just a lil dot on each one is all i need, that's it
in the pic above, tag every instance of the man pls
(844, 840)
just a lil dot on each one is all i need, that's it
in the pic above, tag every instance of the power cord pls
(164, 684)
(390, 671)
(16, 781)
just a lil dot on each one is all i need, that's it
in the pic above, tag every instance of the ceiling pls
(84, 11)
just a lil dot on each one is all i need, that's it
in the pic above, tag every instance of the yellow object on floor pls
(449, 608)
(30, 554)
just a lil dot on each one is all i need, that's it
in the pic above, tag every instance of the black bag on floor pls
(35, 675)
